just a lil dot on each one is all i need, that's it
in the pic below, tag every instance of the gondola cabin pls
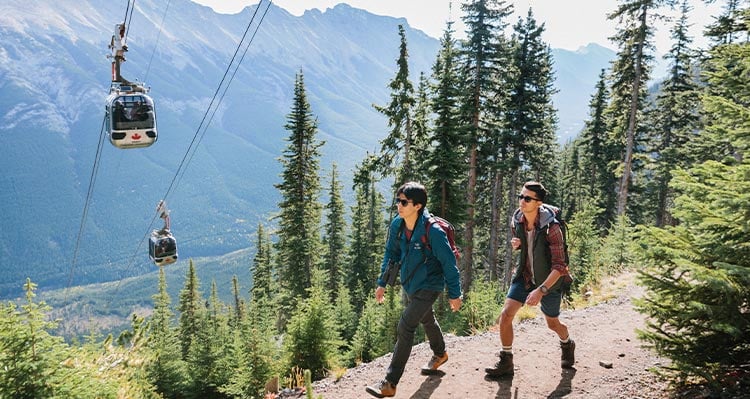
(130, 119)
(162, 247)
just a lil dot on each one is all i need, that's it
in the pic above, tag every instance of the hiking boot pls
(383, 389)
(435, 362)
(503, 367)
(568, 357)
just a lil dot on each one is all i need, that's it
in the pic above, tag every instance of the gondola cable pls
(158, 36)
(231, 79)
(87, 202)
(197, 137)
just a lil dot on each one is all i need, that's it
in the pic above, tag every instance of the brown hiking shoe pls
(383, 389)
(503, 367)
(435, 362)
(568, 357)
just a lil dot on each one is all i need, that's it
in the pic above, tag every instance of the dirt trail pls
(604, 335)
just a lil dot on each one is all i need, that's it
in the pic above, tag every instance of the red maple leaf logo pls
(136, 136)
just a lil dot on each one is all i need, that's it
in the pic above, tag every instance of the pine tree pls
(597, 155)
(166, 370)
(334, 239)
(261, 268)
(210, 360)
(421, 128)
(630, 73)
(300, 212)
(367, 239)
(239, 304)
(395, 152)
(31, 358)
(699, 270)
(676, 117)
(190, 309)
(446, 164)
(526, 136)
(312, 338)
(481, 64)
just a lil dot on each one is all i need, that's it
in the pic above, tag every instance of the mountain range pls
(216, 172)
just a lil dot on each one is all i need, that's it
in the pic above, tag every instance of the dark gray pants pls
(418, 310)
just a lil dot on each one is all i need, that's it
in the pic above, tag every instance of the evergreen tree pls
(190, 309)
(598, 154)
(446, 164)
(676, 118)
(395, 158)
(630, 73)
(365, 343)
(239, 304)
(367, 238)
(166, 370)
(481, 66)
(421, 145)
(699, 270)
(346, 316)
(731, 25)
(210, 361)
(526, 136)
(312, 338)
(334, 239)
(300, 212)
(31, 360)
(261, 268)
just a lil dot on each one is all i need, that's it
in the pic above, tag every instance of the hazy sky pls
(569, 24)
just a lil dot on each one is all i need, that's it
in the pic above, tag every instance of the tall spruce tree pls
(190, 308)
(526, 137)
(676, 118)
(481, 64)
(209, 358)
(298, 246)
(334, 238)
(395, 152)
(446, 164)
(598, 154)
(699, 271)
(166, 370)
(367, 238)
(630, 73)
(261, 270)
(421, 144)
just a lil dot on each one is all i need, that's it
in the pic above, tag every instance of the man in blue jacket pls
(426, 268)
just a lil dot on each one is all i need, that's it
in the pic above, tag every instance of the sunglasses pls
(403, 202)
(526, 198)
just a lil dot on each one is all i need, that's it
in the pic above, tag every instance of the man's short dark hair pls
(415, 192)
(537, 188)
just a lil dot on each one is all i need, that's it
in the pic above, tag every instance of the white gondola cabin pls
(130, 118)
(162, 247)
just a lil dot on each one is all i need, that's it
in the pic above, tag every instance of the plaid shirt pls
(556, 247)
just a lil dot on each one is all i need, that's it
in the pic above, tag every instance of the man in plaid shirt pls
(538, 277)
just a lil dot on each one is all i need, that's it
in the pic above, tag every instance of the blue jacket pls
(432, 269)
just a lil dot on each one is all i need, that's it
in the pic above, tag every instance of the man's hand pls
(534, 297)
(515, 242)
(380, 294)
(455, 304)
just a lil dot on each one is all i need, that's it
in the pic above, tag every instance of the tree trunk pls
(508, 231)
(630, 141)
(495, 224)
